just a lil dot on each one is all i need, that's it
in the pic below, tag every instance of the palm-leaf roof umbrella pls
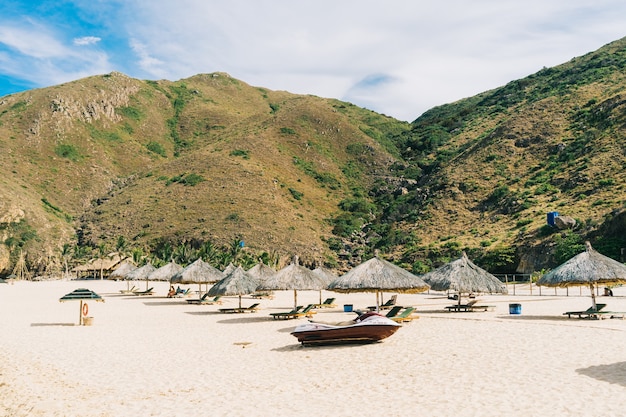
(120, 272)
(587, 268)
(166, 272)
(124, 268)
(377, 275)
(326, 274)
(294, 277)
(261, 271)
(81, 294)
(463, 276)
(238, 282)
(141, 273)
(198, 272)
(229, 268)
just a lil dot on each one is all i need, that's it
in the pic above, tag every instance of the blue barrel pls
(347, 308)
(551, 216)
(515, 309)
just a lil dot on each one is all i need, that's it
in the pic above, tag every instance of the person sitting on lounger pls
(171, 292)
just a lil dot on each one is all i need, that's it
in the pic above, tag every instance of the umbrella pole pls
(295, 298)
(80, 314)
(593, 297)
(239, 300)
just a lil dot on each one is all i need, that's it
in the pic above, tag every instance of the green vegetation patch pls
(245, 154)
(156, 148)
(68, 151)
(186, 179)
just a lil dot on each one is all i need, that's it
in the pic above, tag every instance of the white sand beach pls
(154, 356)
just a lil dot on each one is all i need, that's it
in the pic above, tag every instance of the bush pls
(67, 151)
(296, 194)
(156, 148)
(241, 152)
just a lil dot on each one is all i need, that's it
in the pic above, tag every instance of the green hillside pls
(194, 167)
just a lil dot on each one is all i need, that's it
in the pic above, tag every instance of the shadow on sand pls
(614, 373)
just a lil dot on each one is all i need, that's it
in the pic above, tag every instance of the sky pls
(396, 57)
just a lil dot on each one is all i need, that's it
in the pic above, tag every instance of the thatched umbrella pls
(166, 272)
(377, 275)
(294, 277)
(261, 271)
(197, 272)
(81, 294)
(238, 282)
(141, 273)
(463, 276)
(326, 275)
(120, 272)
(587, 268)
(229, 268)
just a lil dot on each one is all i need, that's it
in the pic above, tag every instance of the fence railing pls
(522, 282)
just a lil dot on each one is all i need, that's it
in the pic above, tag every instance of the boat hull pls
(367, 331)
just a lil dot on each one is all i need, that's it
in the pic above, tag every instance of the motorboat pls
(366, 328)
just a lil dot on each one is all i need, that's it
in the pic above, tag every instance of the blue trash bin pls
(515, 309)
(347, 308)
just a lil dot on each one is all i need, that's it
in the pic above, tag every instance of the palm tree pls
(66, 253)
(182, 254)
(102, 251)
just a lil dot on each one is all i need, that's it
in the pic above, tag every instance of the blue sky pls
(399, 57)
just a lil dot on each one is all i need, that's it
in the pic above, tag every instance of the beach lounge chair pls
(286, 315)
(306, 312)
(587, 314)
(405, 315)
(328, 303)
(146, 292)
(205, 300)
(469, 306)
(130, 290)
(183, 293)
(251, 309)
(393, 312)
(389, 304)
(263, 294)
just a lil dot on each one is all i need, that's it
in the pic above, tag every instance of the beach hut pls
(238, 282)
(463, 277)
(377, 275)
(294, 277)
(589, 268)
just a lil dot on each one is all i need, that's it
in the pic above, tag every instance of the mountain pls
(490, 168)
(211, 159)
(208, 158)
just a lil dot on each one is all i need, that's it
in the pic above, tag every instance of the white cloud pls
(427, 53)
(33, 41)
(146, 62)
(434, 53)
(86, 40)
(38, 53)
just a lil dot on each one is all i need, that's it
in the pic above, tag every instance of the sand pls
(154, 356)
